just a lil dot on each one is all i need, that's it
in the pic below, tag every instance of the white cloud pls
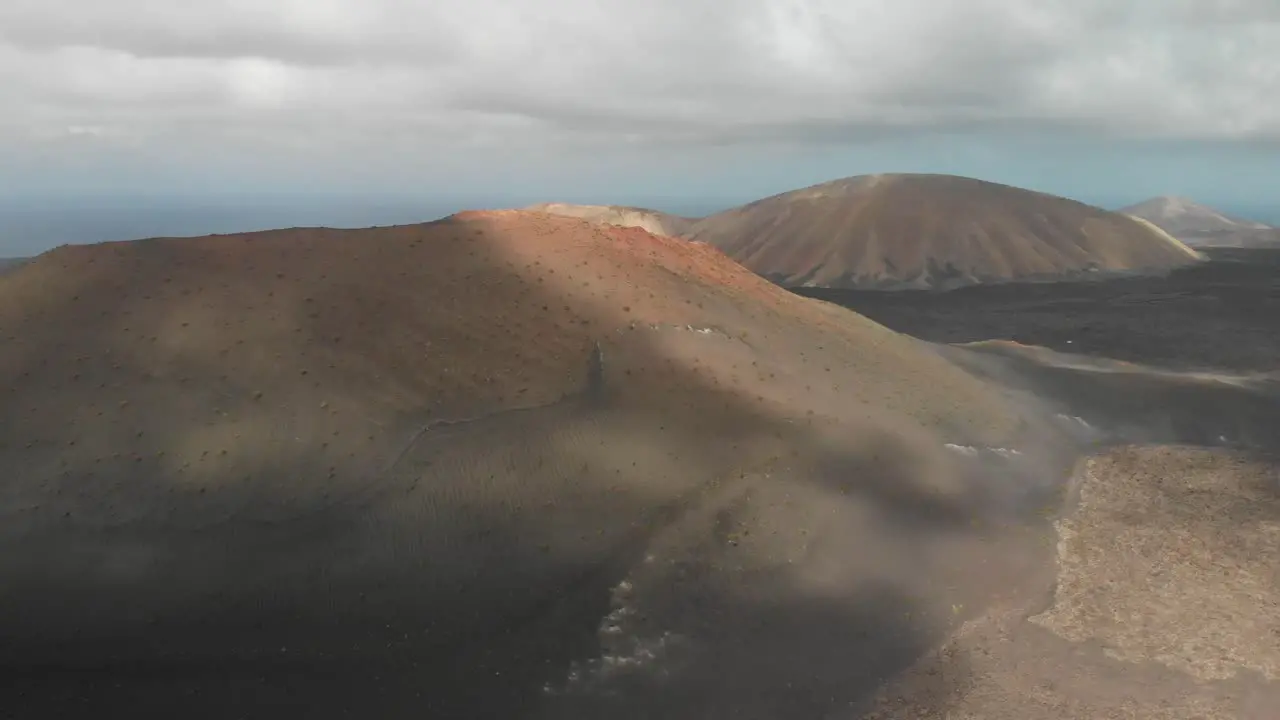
(324, 73)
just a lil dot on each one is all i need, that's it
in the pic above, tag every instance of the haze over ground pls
(510, 464)
(691, 107)
(339, 461)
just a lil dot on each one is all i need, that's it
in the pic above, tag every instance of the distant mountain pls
(904, 231)
(1202, 226)
(654, 221)
(7, 264)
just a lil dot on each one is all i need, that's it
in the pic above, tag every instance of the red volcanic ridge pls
(658, 223)
(238, 383)
(932, 231)
(384, 449)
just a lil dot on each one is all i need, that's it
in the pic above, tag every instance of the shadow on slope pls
(412, 471)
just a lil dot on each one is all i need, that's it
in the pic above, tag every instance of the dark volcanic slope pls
(1202, 226)
(896, 231)
(491, 466)
(1221, 314)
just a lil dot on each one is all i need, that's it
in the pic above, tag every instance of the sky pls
(333, 111)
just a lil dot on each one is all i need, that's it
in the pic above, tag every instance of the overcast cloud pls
(144, 83)
(663, 69)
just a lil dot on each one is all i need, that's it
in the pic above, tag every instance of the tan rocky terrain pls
(1164, 604)
(916, 231)
(656, 222)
